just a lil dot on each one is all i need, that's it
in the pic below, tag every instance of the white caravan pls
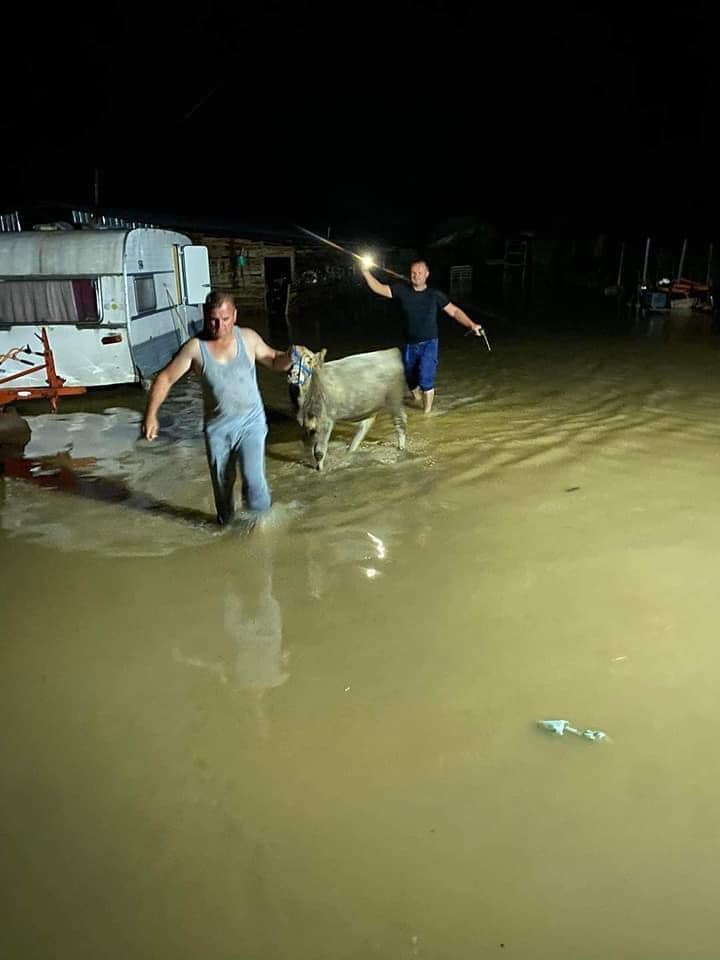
(116, 304)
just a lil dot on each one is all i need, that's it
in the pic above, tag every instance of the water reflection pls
(248, 617)
(673, 324)
(335, 556)
(95, 457)
(78, 477)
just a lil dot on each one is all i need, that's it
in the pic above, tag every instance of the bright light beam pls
(350, 253)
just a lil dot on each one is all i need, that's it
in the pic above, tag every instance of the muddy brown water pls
(318, 740)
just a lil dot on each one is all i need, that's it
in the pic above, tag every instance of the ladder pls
(516, 259)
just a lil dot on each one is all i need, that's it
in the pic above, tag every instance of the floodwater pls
(318, 739)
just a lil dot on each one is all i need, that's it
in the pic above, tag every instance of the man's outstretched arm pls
(382, 289)
(463, 319)
(278, 360)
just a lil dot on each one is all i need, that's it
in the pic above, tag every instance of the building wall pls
(237, 266)
(323, 279)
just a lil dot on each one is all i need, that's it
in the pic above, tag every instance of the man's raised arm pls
(380, 288)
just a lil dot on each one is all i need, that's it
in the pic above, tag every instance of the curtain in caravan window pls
(37, 301)
(85, 301)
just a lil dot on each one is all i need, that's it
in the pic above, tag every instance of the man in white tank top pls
(234, 420)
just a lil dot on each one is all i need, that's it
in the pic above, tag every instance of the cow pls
(354, 388)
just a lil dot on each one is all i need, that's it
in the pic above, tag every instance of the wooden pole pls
(708, 272)
(523, 291)
(681, 266)
(620, 265)
(643, 282)
(645, 264)
(286, 311)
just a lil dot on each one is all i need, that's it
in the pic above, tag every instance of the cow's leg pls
(399, 418)
(363, 428)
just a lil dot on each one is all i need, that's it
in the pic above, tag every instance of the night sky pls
(377, 117)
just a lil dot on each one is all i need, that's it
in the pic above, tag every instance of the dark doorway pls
(278, 275)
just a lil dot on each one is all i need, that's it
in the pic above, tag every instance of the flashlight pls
(367, 261)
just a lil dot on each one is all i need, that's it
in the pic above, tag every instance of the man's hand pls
(477, 329)
(283, 360)
(150, 428)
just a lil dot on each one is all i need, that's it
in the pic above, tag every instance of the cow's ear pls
(321, 356)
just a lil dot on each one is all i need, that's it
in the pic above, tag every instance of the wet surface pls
(319, 739)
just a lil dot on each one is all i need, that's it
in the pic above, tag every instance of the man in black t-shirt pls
(420, 304)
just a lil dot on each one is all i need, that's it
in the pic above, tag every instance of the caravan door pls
(196, 273)
(164, 311)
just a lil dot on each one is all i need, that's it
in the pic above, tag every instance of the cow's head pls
(317, 428)
(304, 363)
(308, 399)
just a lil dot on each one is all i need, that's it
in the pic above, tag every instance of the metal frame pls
(54, 389)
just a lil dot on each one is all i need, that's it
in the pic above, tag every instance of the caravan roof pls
(82, 253)
(62, 253)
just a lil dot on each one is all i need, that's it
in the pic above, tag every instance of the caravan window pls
(48, 301)
(145, 293)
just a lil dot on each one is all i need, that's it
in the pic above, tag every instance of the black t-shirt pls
(420, 309)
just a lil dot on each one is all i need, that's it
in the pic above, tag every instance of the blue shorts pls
(420, 361)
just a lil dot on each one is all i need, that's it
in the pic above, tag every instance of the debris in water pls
(571, 489)
(595, 735)
(561, 727)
